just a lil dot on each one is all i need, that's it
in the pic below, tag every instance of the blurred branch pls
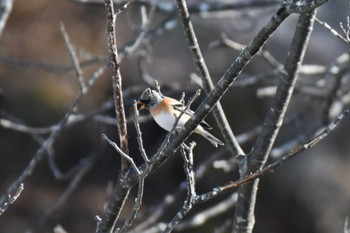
(269, 168)
(346, 228)
(5, 10)
(86, 164)
(60, 69)
(58, 174)
(156, 212)
(74, 58)
(197, 7)
(238, 47)
(244, 213)
(203, 216)
(45, 145)
(40, 152)
(337, 72)
(145, 26)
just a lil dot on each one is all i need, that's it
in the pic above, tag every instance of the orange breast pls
(162, 106)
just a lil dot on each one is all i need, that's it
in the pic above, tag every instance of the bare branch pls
(221, 87)
(212, 212)
(130, 178)
(40, 152)
(11, 199)
(218, 112)
(332, 30)
(125, 156)
(244, 213)
(263, 53)
(191, 192)
(59, 69)
(268, 169)
(55, 131)
(136, 207)
(74, 58)
(116, 77)
(337, 73)
(158, 211)
(198, 7)
(139, 134)
(145, 26)
(346, 29)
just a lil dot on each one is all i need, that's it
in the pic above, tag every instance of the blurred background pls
(38, 85)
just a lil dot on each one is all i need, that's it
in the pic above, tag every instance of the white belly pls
(167, 121)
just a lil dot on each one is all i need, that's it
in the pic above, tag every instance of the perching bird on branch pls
(166, 110)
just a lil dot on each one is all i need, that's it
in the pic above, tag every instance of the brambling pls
(166, 110)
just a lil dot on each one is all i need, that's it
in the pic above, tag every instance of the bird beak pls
(140, 105)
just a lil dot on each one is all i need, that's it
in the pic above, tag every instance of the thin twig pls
(74, 58)
(337, 73)
(85, 166)
(136, 207)
(214, 211)
(218, 112)
(332, 30)
(139, 134)
(182, 110)
(187, 155)
(122, 154)
(46, 144)
(11, 199)
(155, 213)
(59, 69)
(263, 53)
(346, 29)
(269, 168)
(58, 174)
(200, 7)
(145, 26)
(40, 152)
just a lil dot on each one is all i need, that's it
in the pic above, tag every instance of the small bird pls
(166, 110)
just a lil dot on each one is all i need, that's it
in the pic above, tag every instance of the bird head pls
(149, 99)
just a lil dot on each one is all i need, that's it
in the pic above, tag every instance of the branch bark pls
(116, 80)
(244, 213)
(129, 178)
(218, 112)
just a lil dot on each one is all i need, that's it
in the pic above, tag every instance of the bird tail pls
(213, 140)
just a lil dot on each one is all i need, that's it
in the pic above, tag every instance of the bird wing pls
(177, 105)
